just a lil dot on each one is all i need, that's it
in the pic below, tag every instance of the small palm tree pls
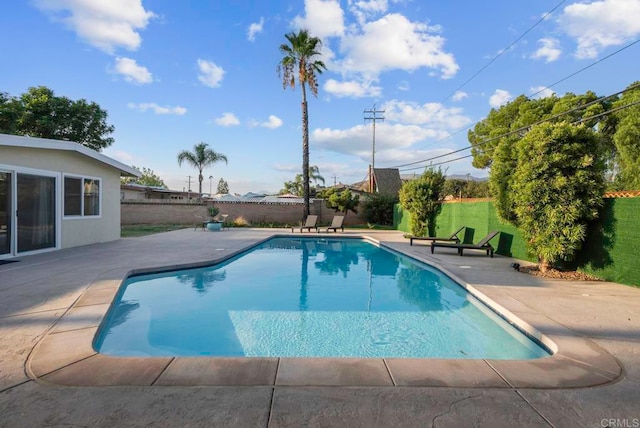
(299, 61)
(201, 157)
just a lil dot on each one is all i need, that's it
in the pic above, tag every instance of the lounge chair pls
(202, 222)
(310, 223)
(452, 238)
(336, 223)
(483, 244)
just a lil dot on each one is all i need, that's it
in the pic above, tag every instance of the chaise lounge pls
(336, 223)
(483, 244)
(310, 223)
(452, 238)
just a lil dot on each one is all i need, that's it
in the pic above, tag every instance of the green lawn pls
(135, 230)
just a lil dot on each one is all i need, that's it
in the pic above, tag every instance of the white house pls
(56, 194)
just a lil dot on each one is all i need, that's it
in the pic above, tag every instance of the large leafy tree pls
(423, 199)
(148, 178)
(40, 113)
(300, 66)
(558, 186)
(296, 187)
(200, 158)
(344, 200)
(223, 186)
(627, 140)
(494, 138)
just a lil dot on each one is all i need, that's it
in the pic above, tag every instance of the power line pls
(523, 128)
(585, 68)
(530, 96)
(584, 119)
(503, 51)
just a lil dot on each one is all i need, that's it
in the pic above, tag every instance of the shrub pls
(378, 209)
(240, 222)
(423, 199)
(557, 188)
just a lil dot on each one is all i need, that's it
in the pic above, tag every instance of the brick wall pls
(158, 213)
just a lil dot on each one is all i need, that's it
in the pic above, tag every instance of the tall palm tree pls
(201, 157)
(299, 60)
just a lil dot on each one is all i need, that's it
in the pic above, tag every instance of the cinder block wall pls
(172, 213)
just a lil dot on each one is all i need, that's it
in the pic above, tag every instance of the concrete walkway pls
(45, 295)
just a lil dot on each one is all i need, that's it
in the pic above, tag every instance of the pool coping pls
(65, 354)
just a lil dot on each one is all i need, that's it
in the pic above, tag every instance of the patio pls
(66, 292)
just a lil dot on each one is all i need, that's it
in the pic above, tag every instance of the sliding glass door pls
(36, 212)
(5, 213)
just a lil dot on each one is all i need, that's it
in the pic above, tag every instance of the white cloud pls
(290, 168)
(105, 24)
(499, 98)
(459, 96)
(352, 88)
(541, 91)
(357, 140)
(394, 42)
(323, 18)
(210, 74)
(132, 72)
(600, 24)
(549, 51)
(364, 9)
(254, 29)
(273, 122)
(404, 86)
(433, 114)
(227, 119)
(157, 109)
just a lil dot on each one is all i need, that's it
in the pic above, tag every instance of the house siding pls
(75, 231)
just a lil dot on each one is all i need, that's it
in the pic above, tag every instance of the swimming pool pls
(308, 297)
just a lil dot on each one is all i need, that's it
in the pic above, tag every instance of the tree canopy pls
(296, 187)
(148, 178)
(40, 113)
(300, 66)
(200, 158)
(547, 178)
(627, 140)
(617, 132)
(340, 200)
(223, 186)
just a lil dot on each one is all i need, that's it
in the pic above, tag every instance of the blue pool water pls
(308, 297)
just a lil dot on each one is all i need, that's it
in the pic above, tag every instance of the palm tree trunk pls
(200, 178)
(305, 152)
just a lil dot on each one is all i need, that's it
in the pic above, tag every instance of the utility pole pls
(334, 180)
(189, 188)
(373, 118)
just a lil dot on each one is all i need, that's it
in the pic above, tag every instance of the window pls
(81, 196)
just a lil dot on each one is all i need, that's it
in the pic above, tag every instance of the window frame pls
(82, 196)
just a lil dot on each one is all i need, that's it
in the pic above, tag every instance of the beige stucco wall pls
(75, 231)
(156, 212)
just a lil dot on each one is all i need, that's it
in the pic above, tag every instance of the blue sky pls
(175, 73)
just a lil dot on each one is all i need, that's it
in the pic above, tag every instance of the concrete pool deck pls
(51, 305)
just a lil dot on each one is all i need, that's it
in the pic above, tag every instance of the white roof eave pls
(45, 143)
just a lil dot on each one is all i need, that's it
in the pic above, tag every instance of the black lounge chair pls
(311, 223)
(452, 238)
(336, 223)
(483, 244)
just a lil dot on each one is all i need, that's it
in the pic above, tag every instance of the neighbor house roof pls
(387, 181)
(45, 143)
